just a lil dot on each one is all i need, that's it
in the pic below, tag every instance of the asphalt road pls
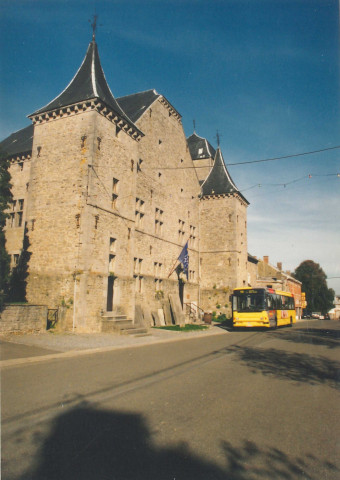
(244, 405)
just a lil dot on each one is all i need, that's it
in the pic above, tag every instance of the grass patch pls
(187, 328)
(220, 319)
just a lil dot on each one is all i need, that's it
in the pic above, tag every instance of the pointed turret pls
(199, 147)
(89, 83)
(219, 182)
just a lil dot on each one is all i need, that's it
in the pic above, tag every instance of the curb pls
(89, 351)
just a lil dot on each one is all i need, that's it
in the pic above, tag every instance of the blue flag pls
(184, 259)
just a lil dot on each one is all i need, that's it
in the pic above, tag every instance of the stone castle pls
(109, 191)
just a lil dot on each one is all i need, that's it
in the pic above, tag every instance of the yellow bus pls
(262, 307)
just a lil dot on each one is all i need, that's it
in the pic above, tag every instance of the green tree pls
(314, 283)
(5, 200)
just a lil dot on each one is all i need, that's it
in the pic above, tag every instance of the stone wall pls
(23, 319)
(168, 186)
(107, 212)
(14, 229)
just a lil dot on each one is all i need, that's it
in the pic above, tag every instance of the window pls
(11, 220)
(139, 283)
(192, 275)
(112, 245)
(181, 230)
(192, 238)
(139, 212)
(16, 215)
(112, 255)
(158, 221)
(112, 262)
(137, 268)
(15, 259)
(114, 192)
(158, 268)
(19, 218)
(137, 265)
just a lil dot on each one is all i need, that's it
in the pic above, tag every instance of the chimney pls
(266, 259)
(279, 265)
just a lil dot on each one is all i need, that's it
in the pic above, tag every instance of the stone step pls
(121, 324)
(115, 317)
(140, 331)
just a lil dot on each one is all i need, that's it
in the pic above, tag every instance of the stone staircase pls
(113, 323)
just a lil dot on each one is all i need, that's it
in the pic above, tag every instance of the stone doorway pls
(110, 293)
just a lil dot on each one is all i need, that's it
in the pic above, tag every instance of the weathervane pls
(194, 122)
(218, 138)
(94, 26)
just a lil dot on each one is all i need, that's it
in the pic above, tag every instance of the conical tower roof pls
(199, 147)
(88, 83)
(219, 181)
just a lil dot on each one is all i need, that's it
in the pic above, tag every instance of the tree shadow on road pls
(248, 461)
(298, 367)
(329, 338)
(90, 444)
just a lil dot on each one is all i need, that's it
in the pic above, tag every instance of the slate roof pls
(199, 147)
(219, 182)
(88, 83)
(133, 105)
(18, 142)
(136, 104)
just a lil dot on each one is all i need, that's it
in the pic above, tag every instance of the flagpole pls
(173, 268)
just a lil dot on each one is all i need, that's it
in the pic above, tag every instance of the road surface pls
(242, 405)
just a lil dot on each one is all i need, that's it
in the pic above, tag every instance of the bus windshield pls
(249, 302)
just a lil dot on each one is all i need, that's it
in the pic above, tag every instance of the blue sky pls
(264, 73)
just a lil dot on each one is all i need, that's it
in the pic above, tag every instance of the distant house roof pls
(88, 83)
(18, 142)
(199, 147)
(219, 182)
(252, 259)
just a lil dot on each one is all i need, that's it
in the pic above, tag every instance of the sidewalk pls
(29, 348)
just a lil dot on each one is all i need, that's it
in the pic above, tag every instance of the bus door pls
(271, 307)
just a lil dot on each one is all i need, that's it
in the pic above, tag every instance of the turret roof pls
(133, 105)
(219, 181)
(18, 142)
(88, 83)
(136, 104)
(199, 147)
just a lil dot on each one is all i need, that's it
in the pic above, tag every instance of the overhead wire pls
(284, 184)
(294, 155)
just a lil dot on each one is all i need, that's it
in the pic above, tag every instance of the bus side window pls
(270, 302)
(278, 302)
(274, 301)
(234, 297)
